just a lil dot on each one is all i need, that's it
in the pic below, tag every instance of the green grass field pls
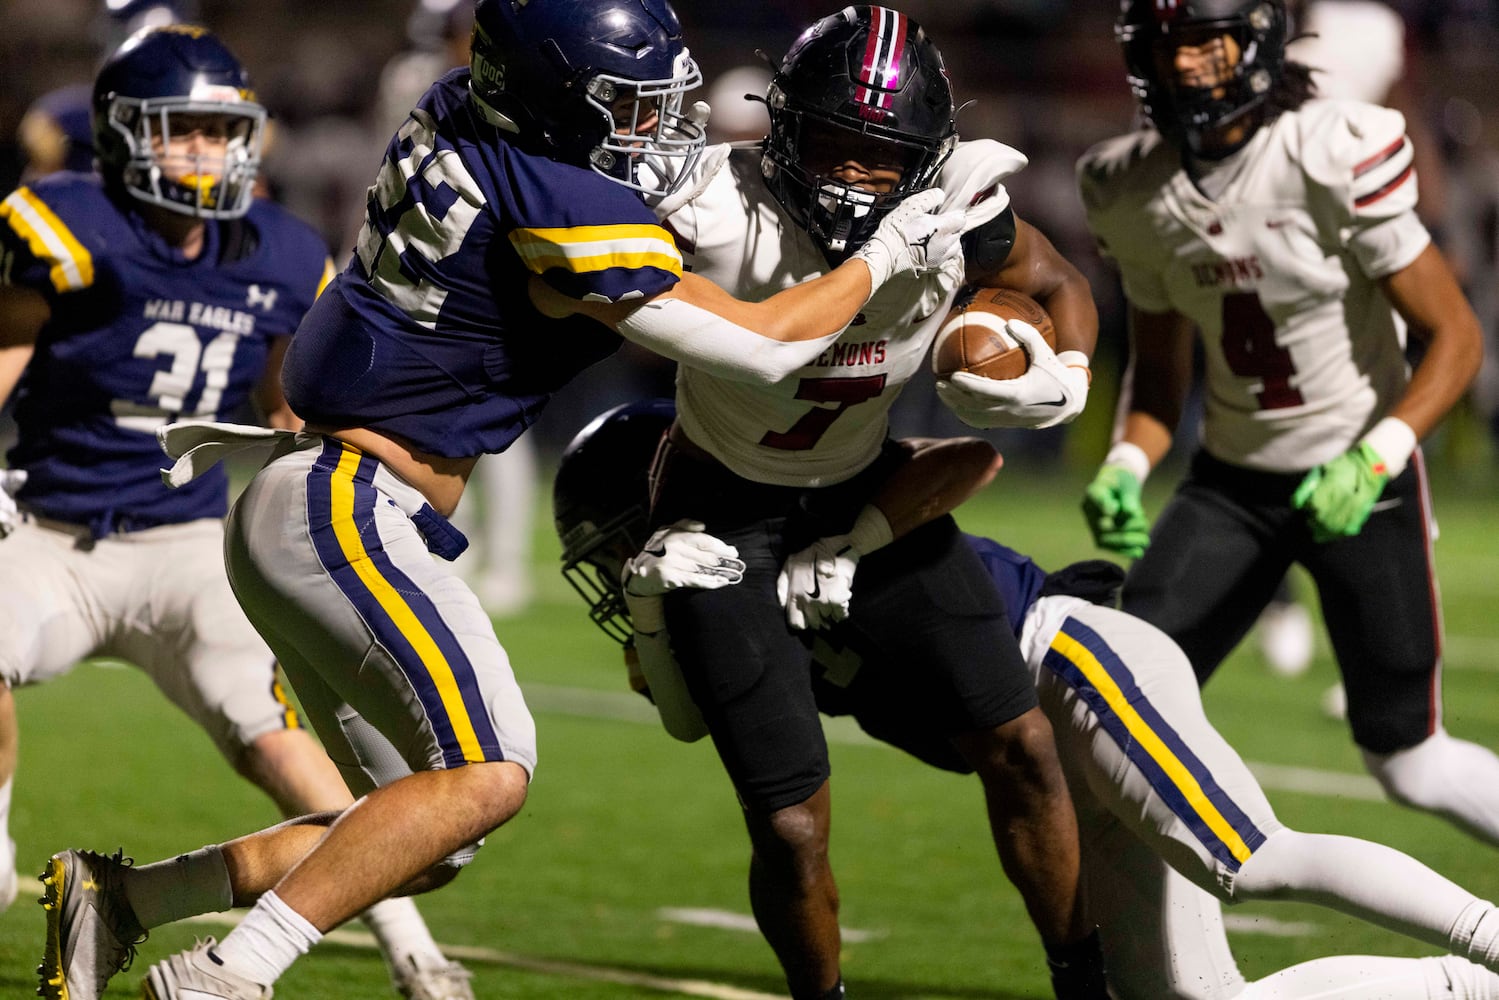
(584, 894)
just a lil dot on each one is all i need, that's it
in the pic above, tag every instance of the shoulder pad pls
(1359, 153)
(1139, 161)
(972, 179)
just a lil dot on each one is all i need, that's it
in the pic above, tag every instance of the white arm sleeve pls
(663, 676)
(693, 336)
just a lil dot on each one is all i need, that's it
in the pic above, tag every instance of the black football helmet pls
(145, 91)
(1148, 29)
(863, 74)
(559, 71)
(601, 503)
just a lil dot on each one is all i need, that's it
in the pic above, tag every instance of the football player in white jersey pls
(1283, 228)
(1171, 819)
(861, 115)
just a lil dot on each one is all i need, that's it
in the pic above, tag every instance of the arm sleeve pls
(679, 713)
(693, 336)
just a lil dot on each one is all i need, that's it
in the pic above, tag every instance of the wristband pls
(1394, 442)
(1077, 359)
(1130, 457)
(871, 530)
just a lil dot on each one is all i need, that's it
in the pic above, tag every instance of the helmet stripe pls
(882, 55)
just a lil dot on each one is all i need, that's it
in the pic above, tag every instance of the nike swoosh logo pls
(816, 589)
(1056, 402)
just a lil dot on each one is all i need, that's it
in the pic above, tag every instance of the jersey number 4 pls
(1250, 348)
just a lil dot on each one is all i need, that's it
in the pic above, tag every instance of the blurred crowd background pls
(1042, 75)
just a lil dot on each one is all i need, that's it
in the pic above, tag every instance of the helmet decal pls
(865, 77)
(880, 72)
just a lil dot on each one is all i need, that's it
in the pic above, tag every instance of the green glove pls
(1338, 496)
(1111, 503)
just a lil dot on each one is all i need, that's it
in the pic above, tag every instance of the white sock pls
(1453, 778)
(1455, 978)
(402, 933)
(186, 886)
(1358, 977)
(265, 944)
(1360, 878)
(1475, 934)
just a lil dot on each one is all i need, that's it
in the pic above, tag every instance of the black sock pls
(1077, 971)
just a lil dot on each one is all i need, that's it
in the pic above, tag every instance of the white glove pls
(11, 481)
(911, 238)
(681, 555)
(1050, 392)
(816, 583)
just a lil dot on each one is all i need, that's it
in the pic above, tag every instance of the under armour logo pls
(255, 297)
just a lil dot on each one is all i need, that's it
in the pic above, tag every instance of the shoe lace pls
(130, 935)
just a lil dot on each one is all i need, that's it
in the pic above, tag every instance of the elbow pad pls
(693, 336)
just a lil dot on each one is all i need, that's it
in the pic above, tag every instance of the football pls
(973, 337)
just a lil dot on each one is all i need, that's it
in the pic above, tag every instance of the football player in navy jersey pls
(156, 290)
(1284, 228)
(512, 197)
(1171, 819)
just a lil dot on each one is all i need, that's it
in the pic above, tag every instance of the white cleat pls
(198, 975)
(91, 929)
(425, 979)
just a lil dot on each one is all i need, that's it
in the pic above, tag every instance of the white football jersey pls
(826, 422)
(1280, 272)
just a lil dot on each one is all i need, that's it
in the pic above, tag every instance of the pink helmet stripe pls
(882, 54)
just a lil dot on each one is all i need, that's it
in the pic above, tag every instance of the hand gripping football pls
(973, 337)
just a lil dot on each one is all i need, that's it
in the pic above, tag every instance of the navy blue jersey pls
(139, 337)
(1017, 578)
(429, 334)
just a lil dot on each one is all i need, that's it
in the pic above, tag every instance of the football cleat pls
(199, 974)
(91, 930)
(420, 979)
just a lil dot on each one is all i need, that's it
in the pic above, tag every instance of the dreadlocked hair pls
(1293, 87)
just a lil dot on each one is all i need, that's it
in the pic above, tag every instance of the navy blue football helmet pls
(598, 83)
(175, 81)
(601, 504)
(1148, 31)
(863, 75)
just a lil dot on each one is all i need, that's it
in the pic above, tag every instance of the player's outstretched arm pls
(696, 323)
